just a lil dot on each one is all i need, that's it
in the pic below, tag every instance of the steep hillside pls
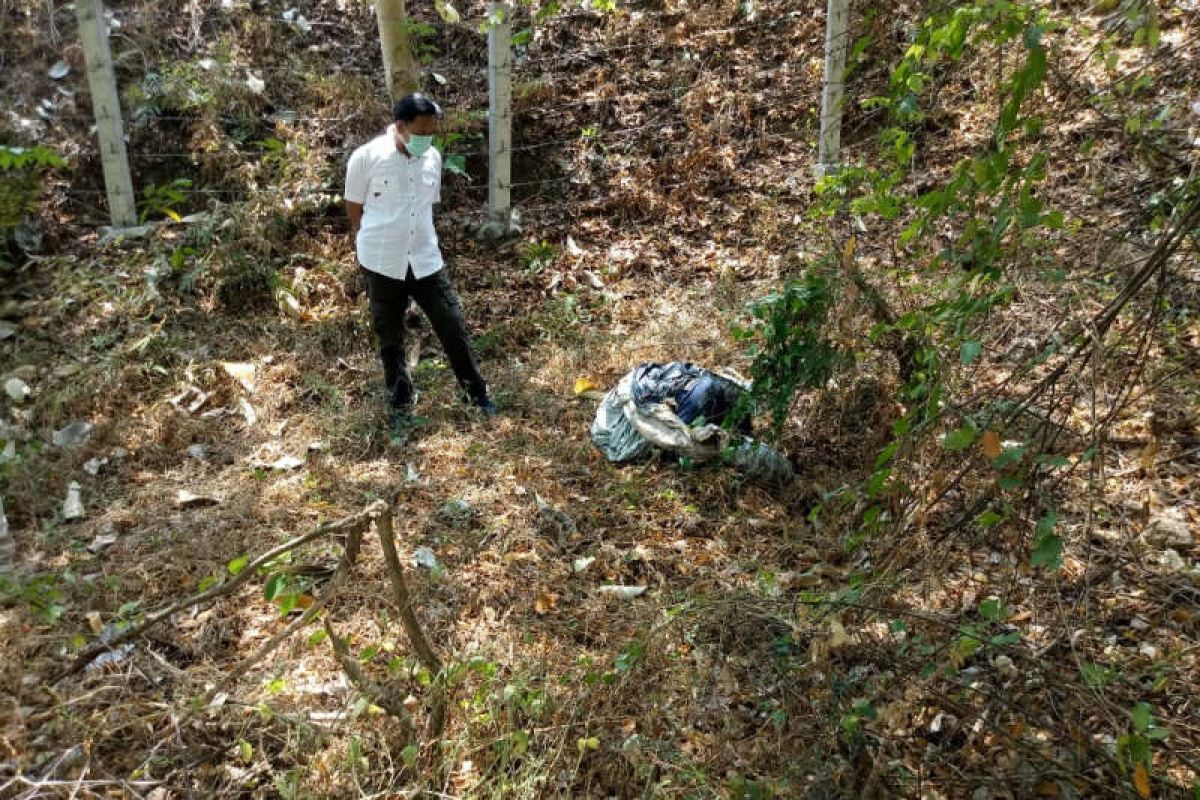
(983, 582)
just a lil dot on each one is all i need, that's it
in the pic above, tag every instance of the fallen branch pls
(381, 696)
(416, 635)
(345, 565)
(150, 620)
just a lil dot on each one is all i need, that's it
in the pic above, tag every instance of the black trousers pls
(436, 297)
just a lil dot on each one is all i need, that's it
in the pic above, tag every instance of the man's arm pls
(354, 211)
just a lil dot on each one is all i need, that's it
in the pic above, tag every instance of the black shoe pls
(487, 408)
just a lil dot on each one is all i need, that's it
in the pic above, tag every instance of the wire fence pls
(593, 118)
(592, 122)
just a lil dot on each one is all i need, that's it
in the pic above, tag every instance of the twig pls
(345, 565)
(416, 636)
(152, 619)
(380, 695)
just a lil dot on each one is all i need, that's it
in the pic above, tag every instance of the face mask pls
(417, 145)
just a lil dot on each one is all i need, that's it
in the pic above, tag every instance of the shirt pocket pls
(384, 190)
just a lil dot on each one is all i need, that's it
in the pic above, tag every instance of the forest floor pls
(663, 170)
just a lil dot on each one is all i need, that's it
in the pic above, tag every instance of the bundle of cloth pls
(686, 410)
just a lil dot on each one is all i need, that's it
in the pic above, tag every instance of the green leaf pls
(988, 518)
(959, 439)
(1047, 547)
(993, 610)
(455, 164)
(447, 12)
(1009, 456)
(1142, 717)
(1096, 675)
(317, 637)
(238, 564)
(1033, 36)
(206, 583)
(246, 751)
(409, 755)
(969, 351)
(275, 585)
(287, 603)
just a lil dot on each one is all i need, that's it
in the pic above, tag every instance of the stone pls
(73, 435)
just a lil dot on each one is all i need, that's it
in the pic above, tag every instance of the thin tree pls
(398, 64)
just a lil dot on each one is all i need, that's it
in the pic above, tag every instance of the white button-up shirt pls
(397, 193)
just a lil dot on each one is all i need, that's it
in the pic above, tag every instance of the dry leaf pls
(584, 385)
(94, 621)
(990, 443)
(242, 372)
(1141, 780)
(545, 603)
(1148, 454)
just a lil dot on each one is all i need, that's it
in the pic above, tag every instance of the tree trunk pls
(398, 65)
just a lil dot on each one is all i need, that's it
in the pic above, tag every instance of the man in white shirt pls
(392, 183)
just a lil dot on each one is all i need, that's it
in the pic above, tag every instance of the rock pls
(73, 435)
(1169, 529)
(7, 330)
(424, 557)
(73, 506)
(1172, 560)
(102, 542)
(17, 389)
(186, 499)
(94, 465)
(287, 463)
(198, 452)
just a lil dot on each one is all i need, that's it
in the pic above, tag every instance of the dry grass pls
(766, 658)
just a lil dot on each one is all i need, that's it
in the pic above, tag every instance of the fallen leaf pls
(186, 499)
(1141, 780)
(584, 385)
(545, 603)
(240, 371)
(990, 444)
